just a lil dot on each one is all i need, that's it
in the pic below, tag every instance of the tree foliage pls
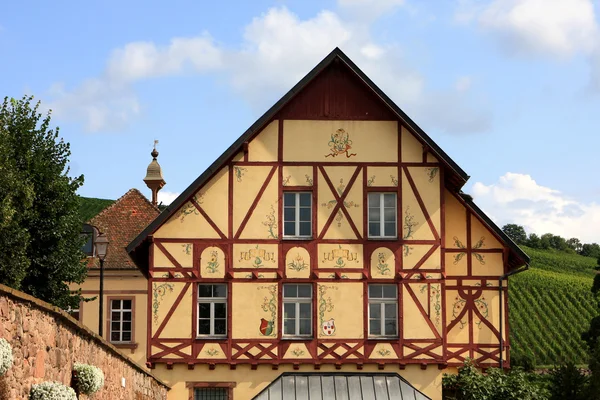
(516, 233)
(40, 242)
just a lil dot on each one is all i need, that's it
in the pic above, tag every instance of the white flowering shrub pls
(51, 391)
(89, 378)
(6, 356)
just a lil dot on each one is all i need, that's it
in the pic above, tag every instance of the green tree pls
(516, 233)
(534, 241)
(590, 250)
(574, 244)
(40, 242)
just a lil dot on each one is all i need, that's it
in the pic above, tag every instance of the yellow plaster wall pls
(414, 253)
(412, 149)
(297, 263)
(427, 182)
(212, 263)
(246, 184)
(264, 146)
(298, 176)
(340, 255)
(456, 221)
(264, 220)
(251, 382)
(181, 252)
(414, 323)
(214, 198)
(382, 176)
(255, 255)
(306, 140)
(339, 302)
(414, 223)
(383, 263)
(187, 222)
(254, 305)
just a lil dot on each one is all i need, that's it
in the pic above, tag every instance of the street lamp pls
(101, 247)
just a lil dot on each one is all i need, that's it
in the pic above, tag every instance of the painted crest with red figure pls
(328, 327)
(266, 327)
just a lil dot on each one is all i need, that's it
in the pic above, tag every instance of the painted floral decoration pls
(382, 266)
(298, 352)
(90, 379)
(157, 294)
(212, 352)
(6, 356)
(340, 143)
(271, 224)
(212, 266)
(298, 264)
(269, 305)
(51, 391)
(384, 352)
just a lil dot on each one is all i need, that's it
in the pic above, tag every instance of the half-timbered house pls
(331, 239)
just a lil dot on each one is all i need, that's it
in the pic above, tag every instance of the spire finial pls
(154, 153)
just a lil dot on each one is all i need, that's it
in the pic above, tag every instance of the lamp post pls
(101, 247)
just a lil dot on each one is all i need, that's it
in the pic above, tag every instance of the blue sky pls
(510, 89)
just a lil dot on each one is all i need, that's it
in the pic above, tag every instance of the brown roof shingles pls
(122, 222)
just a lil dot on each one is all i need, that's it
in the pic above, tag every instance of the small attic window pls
(89, 233)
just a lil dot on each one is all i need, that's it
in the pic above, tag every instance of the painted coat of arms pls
(328, 327)
(340, 143)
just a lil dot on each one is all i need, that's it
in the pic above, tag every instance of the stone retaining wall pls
(46, 342)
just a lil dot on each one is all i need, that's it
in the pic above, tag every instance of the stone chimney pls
(154, 179)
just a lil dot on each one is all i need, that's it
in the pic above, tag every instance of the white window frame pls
(212, 301)
(121, 311)
(297, 234)
(382, 303)
(297, 301)
(382, 216)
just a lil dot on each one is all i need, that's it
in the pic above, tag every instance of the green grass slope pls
(89, 207)
(550, 305)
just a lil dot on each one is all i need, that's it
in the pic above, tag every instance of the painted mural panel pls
(262, 223)
(180, 324)
(247, 182)
(427, 182)
(297, 176)
(212, 351)
(213, 198)
(456, 265)
(212, 263)
(457, 318)
(383, 351)
(487, 264)
(335, 141)
(421, 256)
(382, 176)
(336, 310)
(254, 255)
(187, 223)
(345, 182)
(414, 223)
(297, 351)
(297, 263)
(414, 312)
(264, 146)
(456, 221)
(383, 263)
(481, 233)
(181, 253)
(164, 295)
(340, 255)
(254, 310)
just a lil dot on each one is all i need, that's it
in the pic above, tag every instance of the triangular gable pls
(357, 93)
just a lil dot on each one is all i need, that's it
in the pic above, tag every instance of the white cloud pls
(518, 198)
(551, 27)
(278, 48)
(167, 197)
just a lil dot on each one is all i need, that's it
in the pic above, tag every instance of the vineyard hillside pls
(550, 305)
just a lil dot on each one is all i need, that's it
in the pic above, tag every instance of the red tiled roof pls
(122, 221)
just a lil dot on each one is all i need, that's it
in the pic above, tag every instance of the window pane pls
(220, 326)
(389, 291)
(290, 290)
(375, 291)
(220, 310)
(374, 229)
(389, 214)
(373, 199)
(127, 304)
(305, 199)
(115, 304)
(219, 290)
(204, 327)
(390, 327)
(115, 316)
(289, 214)
(115, 326)
(204, 310)
(304, 291)
(389, 200)
(389, 229)
(289, 199)
(390, 311)
(126, 336)
(305, 310)
(127, 316)
(289, 229)
(289, 310)
(115, 337)
(289, 327)
(305, 214)
(374, 327)
(375, 311)
(374, 214)
(305, 326)
(204, 291)
(305, 229)
(127, 326)
(210, 394)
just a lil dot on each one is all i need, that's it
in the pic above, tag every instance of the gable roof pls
(455, 176)
(89, 207)
(122, 221)
(338, 386)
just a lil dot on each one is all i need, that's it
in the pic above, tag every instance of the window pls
(382, 215)
(211, 393)
(121, 318)
(297, 310)
(89, 233)
(297, 214)
(212, 310)
(383, 310)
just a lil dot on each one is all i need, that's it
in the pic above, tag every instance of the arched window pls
(89, 232)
